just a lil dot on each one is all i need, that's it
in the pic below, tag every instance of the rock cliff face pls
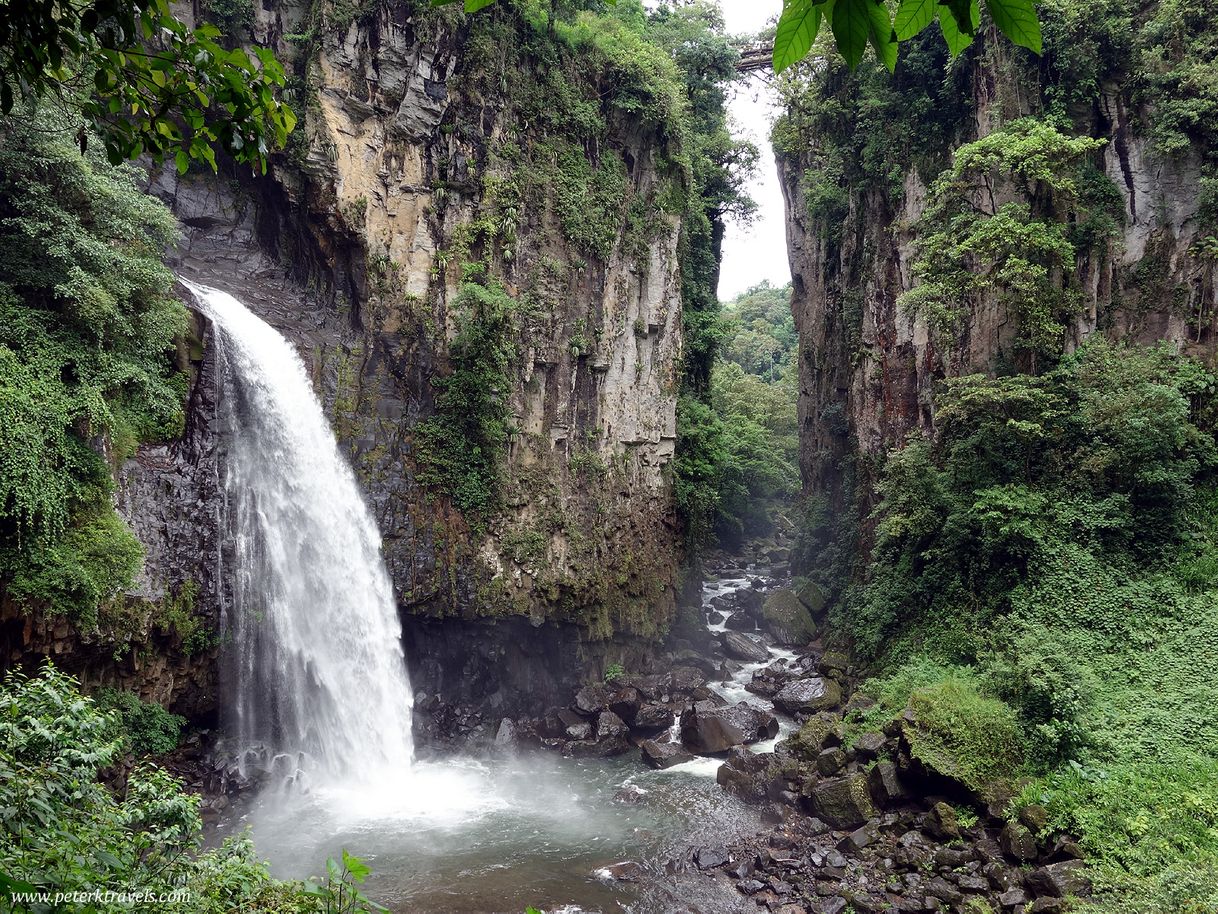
(868, 365)
(413, 174)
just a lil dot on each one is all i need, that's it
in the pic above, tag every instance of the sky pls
(759, 251)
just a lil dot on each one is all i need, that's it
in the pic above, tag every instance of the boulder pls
(624, 701)
(749, 600)
(615, 744)
(683, 679)
(744, 774)
(869, 746)
(1018, 842)
(1059, 879)
(812, 597)
(708, 858)
(574, 726)
(740, 622)
(505, 737)
(941, 822)
(742, 647)
(787, 619)
(626, 871)
(817, 733)
(885, 783)
(842, 802)
(708, 729)
(831, 761)
(592, 698)
(664, 755)
(808, 695)
(609, 724)
(654, 716)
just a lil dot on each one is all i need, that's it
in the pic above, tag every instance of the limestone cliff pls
(854, 200)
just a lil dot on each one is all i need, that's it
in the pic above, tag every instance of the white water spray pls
(316, 656)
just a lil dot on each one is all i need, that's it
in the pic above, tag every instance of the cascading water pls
(315, 655)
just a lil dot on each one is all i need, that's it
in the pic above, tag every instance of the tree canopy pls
(143, 80)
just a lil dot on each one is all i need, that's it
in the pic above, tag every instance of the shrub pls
(149, 729)
(87, 329)
(63, 830)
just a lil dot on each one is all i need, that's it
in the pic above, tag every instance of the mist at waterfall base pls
(318, 700)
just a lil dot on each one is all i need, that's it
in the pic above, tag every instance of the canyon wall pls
(869, 363)
(443, 161)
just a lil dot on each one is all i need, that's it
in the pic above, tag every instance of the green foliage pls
(233, 17)
(862, 130)
(614, 672)
(87, 329)
(150, 77)
(1057, 535)
(63, 830)
(148, 728)
(737, 454)
(969, 245)
(765, 340)
(461, 448)
(964, 733)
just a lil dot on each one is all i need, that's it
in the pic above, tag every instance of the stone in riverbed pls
(808, 695)
(842, 802)
(653, 716)
(609, 724)
(708, 858)
(592, 698)
(744, 774)
(1059, 879)
(626, 871)
(506, 736)
(708, 729)
(742, 647)
(787, 619)
(1018, 842)
(664, 755)
(885, 783)
(573, 725)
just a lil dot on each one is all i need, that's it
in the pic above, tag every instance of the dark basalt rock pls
(842, 802)
(808, 695)
(1059, 879)
(653, 716)
(742, 647)
(664, 755)
(708, 730)
(1018, 842)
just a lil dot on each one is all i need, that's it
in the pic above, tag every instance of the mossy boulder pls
(811, 596)
(842, 802)
(787, 618)
(957, 733)
(817, 733)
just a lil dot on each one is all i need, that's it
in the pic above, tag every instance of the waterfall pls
(315, 659)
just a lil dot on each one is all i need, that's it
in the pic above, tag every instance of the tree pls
(143, 80)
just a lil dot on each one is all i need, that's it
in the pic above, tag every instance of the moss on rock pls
(787, 618)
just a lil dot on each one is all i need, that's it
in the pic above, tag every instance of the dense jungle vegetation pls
(1037, 577)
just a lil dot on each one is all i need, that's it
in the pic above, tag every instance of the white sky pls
(759, 251)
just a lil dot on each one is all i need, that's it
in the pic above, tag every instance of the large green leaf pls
(965, 13)
(851, 28)
(883, 39)
(912, 17)
(1017, 20)
(797, 29)
(956, 40)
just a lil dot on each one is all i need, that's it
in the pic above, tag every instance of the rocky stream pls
(727, 779)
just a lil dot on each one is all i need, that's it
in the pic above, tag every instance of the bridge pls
(753, 57)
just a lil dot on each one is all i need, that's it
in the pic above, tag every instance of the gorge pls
(415, 503)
